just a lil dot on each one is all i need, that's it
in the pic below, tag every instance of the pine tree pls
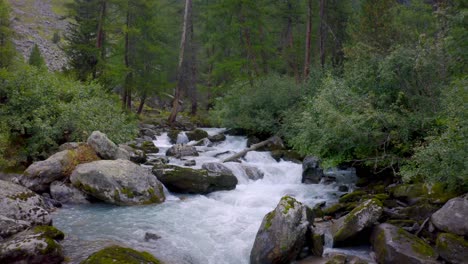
(35, 58)
(7, 50)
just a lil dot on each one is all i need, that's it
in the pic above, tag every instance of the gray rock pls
(70, 146)
(452, 217)
(392, 244)
(118, 182)
(105, 148)
(38, 245)
(179, 150)
(196, 134)
(9, 227)
(253, 173)
(312, 173)
(282, 233)
(186, 180)
(151, 236)
(217, 138)
(136, 155)
(190, 163)
(66, 194)
(20, 203)
(157, 161)
(362, 217)
(217, 168)
(39, 175)
(452, 248)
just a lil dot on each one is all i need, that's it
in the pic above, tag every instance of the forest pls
(377, 85)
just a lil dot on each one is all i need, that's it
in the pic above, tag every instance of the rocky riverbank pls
(401, 223)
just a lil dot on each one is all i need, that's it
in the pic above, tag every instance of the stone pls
(187, 180)
(136, 155)
(121, 255)
(151, 236)
(392, 244)
(20, 203)
(105, 148)
(343, 188)
(179, 151)
(173, 135)
(409, 192)
(120, 182)
(190, 163)
(38, 245)
(253, 173)
(9, 227)
(287, 155)
(217, 138)
(311, 171)
(197, 134)
(348, 227)
(217, 167)
(452, 217)
(452, 248)
(282, 233)
(70, 145)
(157, 161)
(67, 194)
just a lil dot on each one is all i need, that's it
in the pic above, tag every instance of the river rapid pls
(216, 228)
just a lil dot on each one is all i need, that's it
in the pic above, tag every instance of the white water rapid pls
(216, 228)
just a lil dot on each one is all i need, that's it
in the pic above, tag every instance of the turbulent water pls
(215, 228)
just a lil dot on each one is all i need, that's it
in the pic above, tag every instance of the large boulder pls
(217, 167)
(394, 245)
(253, 173)
(452, 248)
(186, 180)
(359, 220)
(67, 194)
(311, 171)
(180, 150)
(41, 174)
(217, 138)
(9, 227)
(20, 203)
(121, 255)
(282, 233)
(118, 182)
(196, 134)
(36, 246)
(452, 217)
(136, 155)
(105, 148)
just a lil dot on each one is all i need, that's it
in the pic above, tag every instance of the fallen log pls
(273, 140)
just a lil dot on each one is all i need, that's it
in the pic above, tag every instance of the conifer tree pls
(35, 58)
(7, 50)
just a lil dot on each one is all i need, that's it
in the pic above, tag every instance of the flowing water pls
(216, 228)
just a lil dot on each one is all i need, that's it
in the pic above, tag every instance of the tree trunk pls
(308, 41)
(193, 68)
(100, 31)
(274, 140)
(288, 45)
(180, 68)
(142, 103)
(322, 33)
(128, 78)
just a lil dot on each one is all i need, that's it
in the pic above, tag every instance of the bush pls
(259, 108)
(43, 110)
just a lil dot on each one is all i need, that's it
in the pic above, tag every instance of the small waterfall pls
(182, 138)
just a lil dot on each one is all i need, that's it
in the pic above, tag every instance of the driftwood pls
(273, 140)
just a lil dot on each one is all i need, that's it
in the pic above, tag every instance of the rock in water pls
(66, 194)
(9, 227)
(282, 233)
(358, 220)
(121, 255)
(37, 245)
(179, 151)
(217, 167)
(452, 217)
(253, 173)
(20, 203)
(452, 248)
(217, 138)
(394, 245)
(186, 180)
(118, 182)
(105, 148)
(311, 171)
(197, 134)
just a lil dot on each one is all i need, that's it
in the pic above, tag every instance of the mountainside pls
(36, 22)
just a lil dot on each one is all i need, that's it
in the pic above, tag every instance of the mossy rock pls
(353, 197)
(409, 191)
(382, 196)
(121, 255)
(438, 194)
(148, 147)
(49, 231)
(173, 134)
(196, 134)
(402, 222)
(452, 248)
(339, 208)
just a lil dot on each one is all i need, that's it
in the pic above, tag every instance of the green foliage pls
(35, 58)
(260, 107)
(7, 50)
(42, 110)
(56, 38)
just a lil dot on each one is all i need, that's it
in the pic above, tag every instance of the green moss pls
(117, 196)
(24, 196)
(49, 231)
(129, 193)
(339, 207)
(86, 188)
(352, 197)
(52, 246)
(290, 203)
(409, 190)
(379, 246)
(197, 134)
(439, 194)
(418, 245)
(381, 196)
(443, 239)
(153, 197)
(121, 255)
(269, 219)
(173, 134)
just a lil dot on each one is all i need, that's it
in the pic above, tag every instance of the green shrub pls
(42, 110)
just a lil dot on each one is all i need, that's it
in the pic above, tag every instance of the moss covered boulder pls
(173, 135)
(217, 138)
(452, 217)
(355, 196)
(186, 180)
(348, 228)
(105, 148)
(37, 245)
(121, 255)
(282, 233)
(180, 150)
(452, 248)
(196, 134)
(20, 203)
(392, 244)
(120, 182)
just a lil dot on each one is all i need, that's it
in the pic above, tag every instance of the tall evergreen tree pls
(35, 58)
(7, 50)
